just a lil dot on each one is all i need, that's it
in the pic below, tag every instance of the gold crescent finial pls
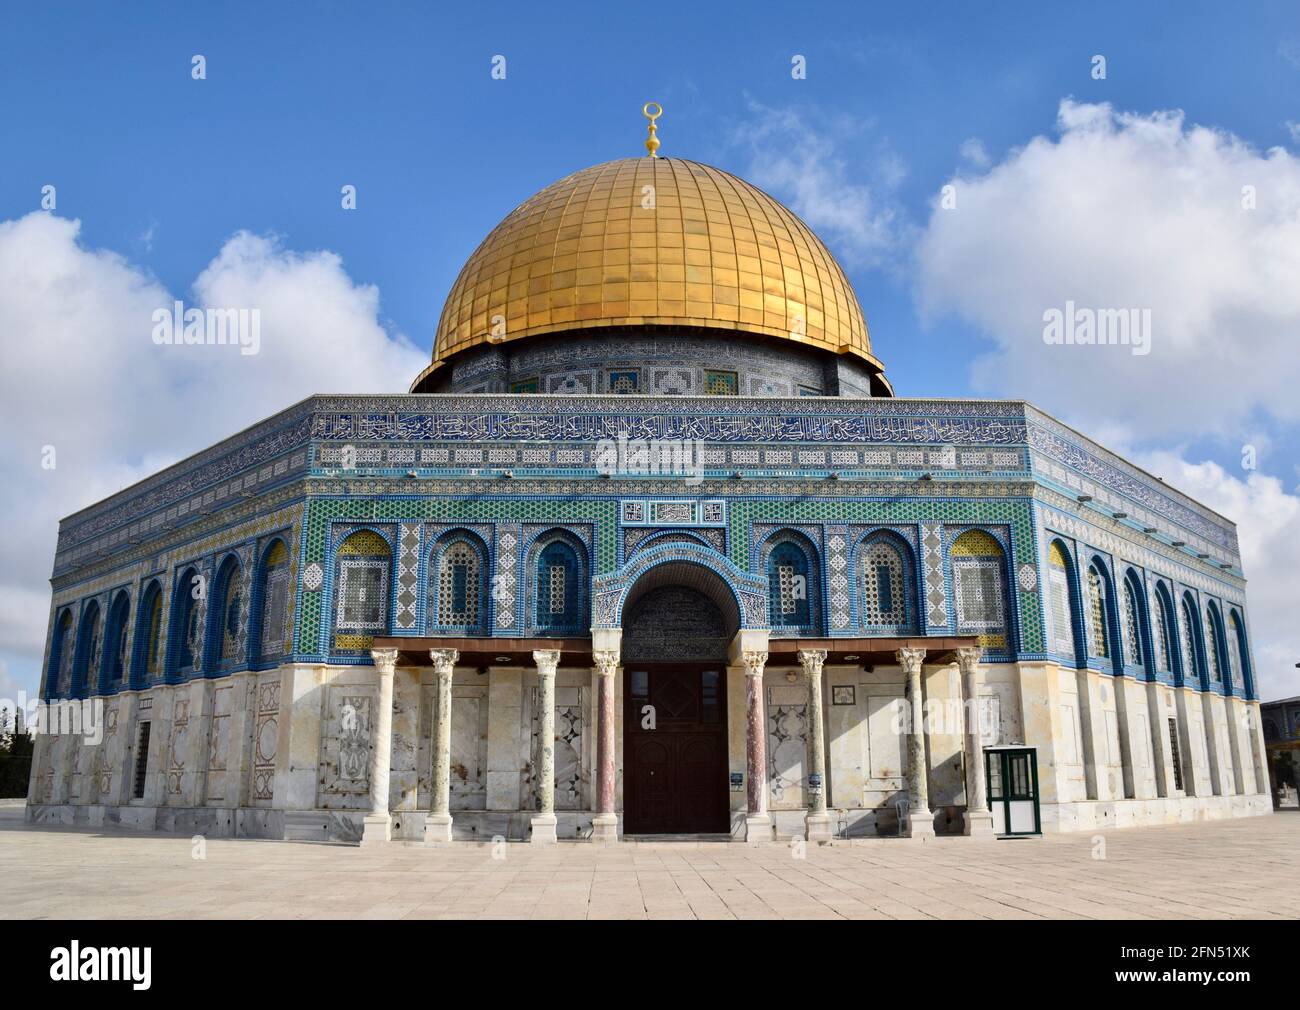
(652, 141)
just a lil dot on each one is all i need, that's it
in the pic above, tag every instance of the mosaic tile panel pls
(505, 582)
(837, 575)
(408, 576)
(936, 595)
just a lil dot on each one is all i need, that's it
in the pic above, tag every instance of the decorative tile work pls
(505, 582)
(571, 383)
(719, 383)
(672, 381)
(408, 576)
(837, 565)
(623, 382)
(651, 536)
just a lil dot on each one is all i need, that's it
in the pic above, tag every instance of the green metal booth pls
(1011, 771)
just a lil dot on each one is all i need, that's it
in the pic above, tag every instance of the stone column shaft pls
(378, 825)
(605, 823)
(758, 825)
(818, 821)
(437, 826)
(979, 822)
(920, 819)
(545, 821)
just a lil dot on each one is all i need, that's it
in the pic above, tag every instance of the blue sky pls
(162, 171)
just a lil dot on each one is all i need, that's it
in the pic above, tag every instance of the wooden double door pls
(675, 777)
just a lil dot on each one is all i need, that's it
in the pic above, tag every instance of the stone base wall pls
(285, 753)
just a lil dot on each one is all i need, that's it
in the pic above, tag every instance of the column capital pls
(754, 662)
(605, 661)
(968, 658)
(812, 660)
(444, 660)
(910, 660)
(547, 660)
(385, 660)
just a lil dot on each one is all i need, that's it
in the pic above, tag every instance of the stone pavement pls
(1223, 869)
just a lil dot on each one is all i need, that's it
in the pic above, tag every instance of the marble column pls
(979, 821)
(818, 820)
(437, 826)
(378, 825)
(604, 826)
(758, 823)
(919, 818)
(544, 820)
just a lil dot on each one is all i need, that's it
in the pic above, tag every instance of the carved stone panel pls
(469, 745)
(571, 768)
(264, 703)
(344, 779)
(219, 747)
(787, 745)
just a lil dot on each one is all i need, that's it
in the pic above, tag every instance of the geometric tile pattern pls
(505, 584)
(837, 564)
(936, 596)
(408, 574)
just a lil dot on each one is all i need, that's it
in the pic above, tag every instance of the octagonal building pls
(650, 548)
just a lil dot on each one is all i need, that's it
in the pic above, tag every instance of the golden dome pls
(651, 242)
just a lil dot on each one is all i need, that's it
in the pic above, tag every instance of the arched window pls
(457, 595)
(1237, 654)
(1060, 601)
(224, 618)
(148, 633)
(1132, 594)
(89, 647)
(1098, 614)
(361, 592)
(977, 570)
(118, 616)
(886, 582)
(790, 588)
(274, 611)
(1163, 633)
(187, 623)
(559, 591)
(62, 651)
(1213, 645)
(1193, 672)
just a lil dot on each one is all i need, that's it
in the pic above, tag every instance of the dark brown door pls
(675, 751)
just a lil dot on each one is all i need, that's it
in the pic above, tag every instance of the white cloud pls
(972, 149)
(84, 376)
(801, 158)
(1268, 519)
(1124, 210)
